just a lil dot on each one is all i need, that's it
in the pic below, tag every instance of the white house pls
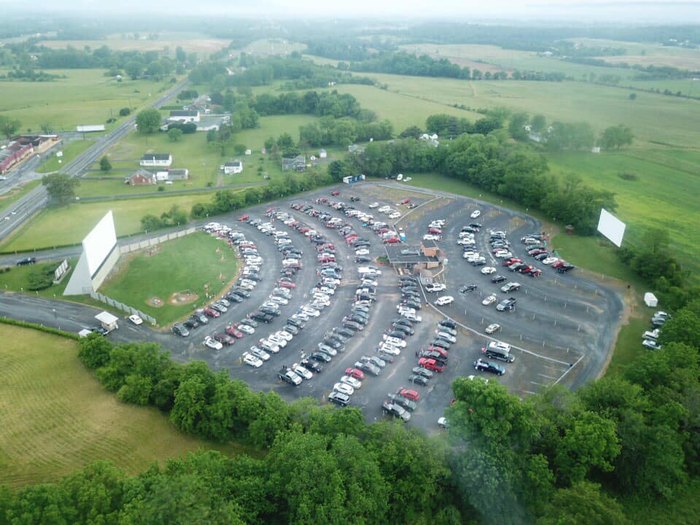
(156, 160)
(233, 167)
(184, 115)
(172, 174)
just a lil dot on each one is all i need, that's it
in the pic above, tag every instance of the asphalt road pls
(35, 200)
(562, 329)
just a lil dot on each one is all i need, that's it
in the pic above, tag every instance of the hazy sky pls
(614, 11)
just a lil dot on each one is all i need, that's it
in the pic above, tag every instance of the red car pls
(439, 350)
(435, 231)
(405, 201)
(287, 284)
(232, 330)
(512, 260)
(326, 259)
(335, 193)
(559, 263)
(430, 364)
(210, 312)
(224, 339)
(354, 372)
(409, 394)
(392, 240)
(244, 217)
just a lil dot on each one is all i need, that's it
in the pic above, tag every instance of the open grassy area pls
(70, 151)
(57, 418)
(78, 219)
(86, 96)
(197, 265)
(16, 278)
(165, 41)
(12, 196)
(663, 195)
(653, 118)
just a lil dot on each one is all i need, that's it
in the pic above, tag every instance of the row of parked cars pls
(650, 338)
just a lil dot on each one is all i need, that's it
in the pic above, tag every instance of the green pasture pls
(647, 53)
(57, 418)
(196, 264)
(68, 225)
(664, 194)
(653, 118)
(12, 196)
(406, 107)
(16, 278)
(69, 150)
(86, 96)
(166, 42)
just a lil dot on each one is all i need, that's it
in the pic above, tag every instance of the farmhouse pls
(233, 167)
(156, 160)
(141, 178)
(184, 115)
(297, 163)
(172, 174)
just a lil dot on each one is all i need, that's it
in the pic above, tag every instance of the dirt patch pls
(155, 302)
(180, 298)
(152, 250)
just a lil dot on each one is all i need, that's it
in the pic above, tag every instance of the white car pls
(475, 214)
(361, 251)
(278, 299)
(466, 241)
(246, 328)
(488, 270)
(302, 372)
(259, 353)
(349, 380)
(492, 328)
(212, 343)
(344, 388)
(251, 360)
(279, 341)
(444, 300)
(284, 335)
(311, 312)
(435, 287)
(503, 254)
(431, 237)
(369, 282)
(489, 300)
(389, 349)
(446, 336)
(327, 290)
(394, 215)
(374, 205)
(384, 209)
(269, 346)
(135, 319)
(395, 341)
(550, 260)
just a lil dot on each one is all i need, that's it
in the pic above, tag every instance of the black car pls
(269, 311)
(403, 321)
(498, 279)
(320, 357)
(343, 332)
(411, 304)
(467, 288)
(250, 322)
(203, 319)
(234, 298)
(398, 334)
(354, 199)
(290, 329)
(418, 380)
(26, 260)
(506, 305)
(448, 323)
(387, 358)
(262, 317)
(430, 354)
(442, 343)
(487, 366)
(241, 292)
(565, 268)
(295, 322)
(312, 365)
(418, 370)
(403, 328)
(362, 259)
(192, 322)
(333, 342)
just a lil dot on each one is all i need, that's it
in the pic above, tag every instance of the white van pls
(499, 350)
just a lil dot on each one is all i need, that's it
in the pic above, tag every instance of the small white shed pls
(650, 300)
(108, 321)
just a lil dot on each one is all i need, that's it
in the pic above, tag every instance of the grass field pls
(647, 53)
(196, 264)
(168, 42)
(653, 118)
(16, 278)
(70, 151)
(78, 219)
(56, 418)
(86, 96)
(664, 195)
(12, 196)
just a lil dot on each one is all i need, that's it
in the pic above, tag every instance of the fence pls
(154, 241)
(123, 307)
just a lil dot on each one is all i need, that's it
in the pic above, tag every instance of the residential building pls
(141, 178)
(184, 115)
(297, 163)
(233, 167)
(156, 160)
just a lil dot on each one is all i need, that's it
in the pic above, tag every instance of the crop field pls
(653, 118)
(86, 96)
(78, 219)
(405, 108)
(647, 53)
(57, 418)
(196, 265)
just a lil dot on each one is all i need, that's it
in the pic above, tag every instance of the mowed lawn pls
(195, 264)
(56, 417)
(664, 195)
(653, 118)
(68, 152)
(86, 96)
(69, 225)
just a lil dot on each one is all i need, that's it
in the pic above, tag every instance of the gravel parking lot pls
(561, 329)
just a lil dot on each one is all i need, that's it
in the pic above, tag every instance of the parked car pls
(482, 365)
(212, 343)
(475, 214)
(409, 394)
(510, 287)
(251, 360)
(179, 329)
(339, 398)
(506, 305)
(444, 300)
(396, 411)
(417, 379)
(492, 328)
(490, 299)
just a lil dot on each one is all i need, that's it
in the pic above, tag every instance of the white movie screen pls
(611, 227)
(99, 242)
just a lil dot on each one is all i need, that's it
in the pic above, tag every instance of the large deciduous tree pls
(616, 137)
(9, 126)
(60, 187)
(148, 121)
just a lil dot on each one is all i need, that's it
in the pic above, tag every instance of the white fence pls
(155, 241)
(123, 307)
